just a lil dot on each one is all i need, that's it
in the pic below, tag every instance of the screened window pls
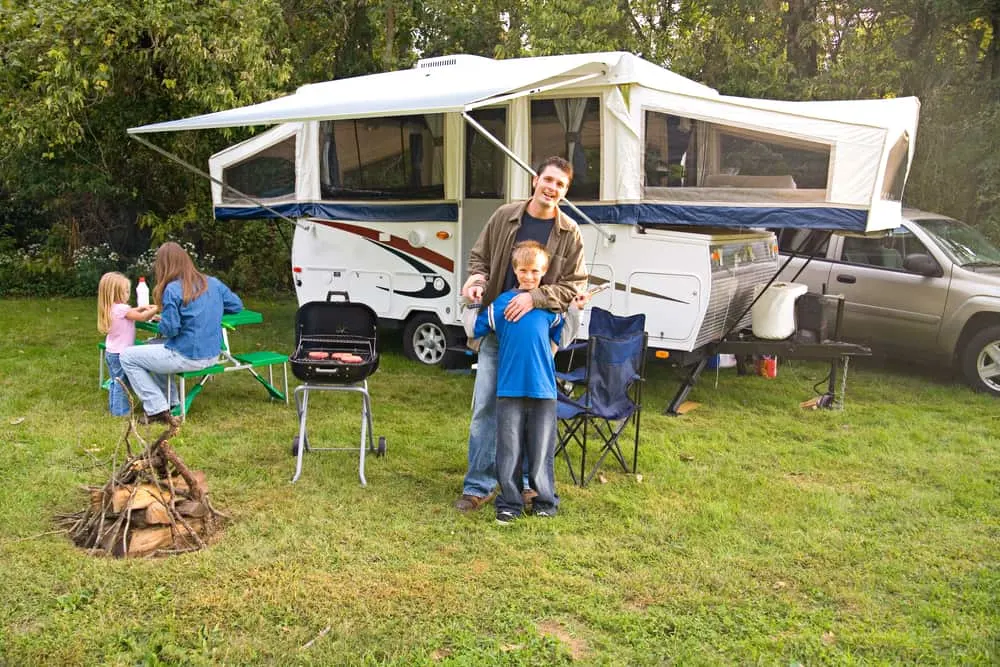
(484, 162)
(571, 129)
(399, 157)
(682, 152)
(803, 242)
(266, 175)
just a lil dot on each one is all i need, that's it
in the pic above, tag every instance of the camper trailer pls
(390, 178)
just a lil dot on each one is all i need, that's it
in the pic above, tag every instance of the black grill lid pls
(335, 318)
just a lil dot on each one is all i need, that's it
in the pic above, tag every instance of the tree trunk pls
(800, 45)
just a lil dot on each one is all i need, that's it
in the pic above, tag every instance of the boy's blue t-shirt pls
(525, 366)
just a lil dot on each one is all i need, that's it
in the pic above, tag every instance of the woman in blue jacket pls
(191, 309)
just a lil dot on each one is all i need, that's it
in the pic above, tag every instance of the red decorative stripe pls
(396, 242)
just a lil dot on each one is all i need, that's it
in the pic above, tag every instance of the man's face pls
(550, 187)
(529, 275)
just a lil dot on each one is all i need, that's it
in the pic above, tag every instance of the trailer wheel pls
(980, 360)
(425, 339)
(295, 445)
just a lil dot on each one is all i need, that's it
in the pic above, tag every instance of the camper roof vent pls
(447, 61)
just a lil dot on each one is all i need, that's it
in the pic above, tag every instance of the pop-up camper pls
(389, 179)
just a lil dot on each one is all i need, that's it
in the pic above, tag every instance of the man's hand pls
(518, 306)
(473, 288)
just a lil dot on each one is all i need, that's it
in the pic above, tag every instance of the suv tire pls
(980, 360)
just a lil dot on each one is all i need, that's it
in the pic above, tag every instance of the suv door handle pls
(844, 278)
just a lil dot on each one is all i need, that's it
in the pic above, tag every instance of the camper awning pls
(433, 87)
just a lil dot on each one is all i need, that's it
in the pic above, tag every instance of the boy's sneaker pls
(506, 518)
(545, 514)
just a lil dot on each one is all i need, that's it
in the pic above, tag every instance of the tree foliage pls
(74, 76)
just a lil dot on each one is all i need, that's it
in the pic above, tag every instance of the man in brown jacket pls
(490, 274)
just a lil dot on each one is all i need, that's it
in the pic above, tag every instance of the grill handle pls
(344, 295)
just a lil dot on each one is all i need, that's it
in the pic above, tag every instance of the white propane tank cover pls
(773, 315)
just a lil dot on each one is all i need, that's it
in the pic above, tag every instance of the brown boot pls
(469, 503)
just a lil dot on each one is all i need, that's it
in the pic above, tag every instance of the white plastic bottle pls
(142, 292)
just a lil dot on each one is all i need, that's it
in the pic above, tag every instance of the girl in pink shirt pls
(117, 319)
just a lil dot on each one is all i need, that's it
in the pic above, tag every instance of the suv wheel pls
(981, 360)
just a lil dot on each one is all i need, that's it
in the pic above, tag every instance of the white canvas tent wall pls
(860, 134)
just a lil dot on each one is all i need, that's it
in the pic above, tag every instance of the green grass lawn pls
(759, 532)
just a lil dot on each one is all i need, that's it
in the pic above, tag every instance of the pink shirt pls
(122, 331)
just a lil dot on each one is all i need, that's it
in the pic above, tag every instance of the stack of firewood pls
(152, 505)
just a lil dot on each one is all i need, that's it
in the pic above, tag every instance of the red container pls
(767, 366)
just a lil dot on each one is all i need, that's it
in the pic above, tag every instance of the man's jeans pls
(147, 367)
(481, 476)
(526, 429)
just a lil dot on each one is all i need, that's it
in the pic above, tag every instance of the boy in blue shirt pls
(526, 390)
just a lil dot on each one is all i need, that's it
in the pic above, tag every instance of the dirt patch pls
(577, 647)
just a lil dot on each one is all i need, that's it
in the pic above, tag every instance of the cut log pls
(193, 509)
(144, 496)
(156, 513)
(148, 540)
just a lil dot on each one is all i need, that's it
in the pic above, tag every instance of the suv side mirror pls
(922, 264)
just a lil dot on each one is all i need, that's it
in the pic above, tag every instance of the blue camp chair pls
(610, 394)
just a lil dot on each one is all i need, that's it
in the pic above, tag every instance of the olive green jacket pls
(567, 273)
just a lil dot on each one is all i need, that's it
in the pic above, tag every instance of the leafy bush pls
(89, 264)
(32, 271)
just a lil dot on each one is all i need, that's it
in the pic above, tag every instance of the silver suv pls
(929, 289)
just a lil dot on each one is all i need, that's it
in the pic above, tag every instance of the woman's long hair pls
(173, 263)
(113, 288)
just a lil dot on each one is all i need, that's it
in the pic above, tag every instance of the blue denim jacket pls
(195, 330)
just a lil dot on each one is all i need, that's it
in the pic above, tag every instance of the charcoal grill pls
(335, 327)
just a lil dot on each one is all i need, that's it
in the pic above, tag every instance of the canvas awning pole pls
(610, 238)
(190, 167)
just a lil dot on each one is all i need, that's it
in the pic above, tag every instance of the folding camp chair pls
(611, 395)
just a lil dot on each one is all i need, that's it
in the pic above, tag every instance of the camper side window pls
(736, 163)
(484, 162)
(570, 128)
(397, 157)
(266, 175)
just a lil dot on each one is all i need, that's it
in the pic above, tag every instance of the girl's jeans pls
(117, 394)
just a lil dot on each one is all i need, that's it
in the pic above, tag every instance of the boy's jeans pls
(526, 428)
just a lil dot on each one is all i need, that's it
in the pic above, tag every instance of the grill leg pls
(365, 420)
(302, 403)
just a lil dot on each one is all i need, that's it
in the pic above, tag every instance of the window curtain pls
(435, 124)
(570, 113)
(329, 166)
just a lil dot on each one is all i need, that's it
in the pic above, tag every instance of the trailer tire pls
(426, 340)
(980, 360)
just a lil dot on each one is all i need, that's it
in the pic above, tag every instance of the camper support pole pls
(534, 91)
(190, 167)
(610, 238)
